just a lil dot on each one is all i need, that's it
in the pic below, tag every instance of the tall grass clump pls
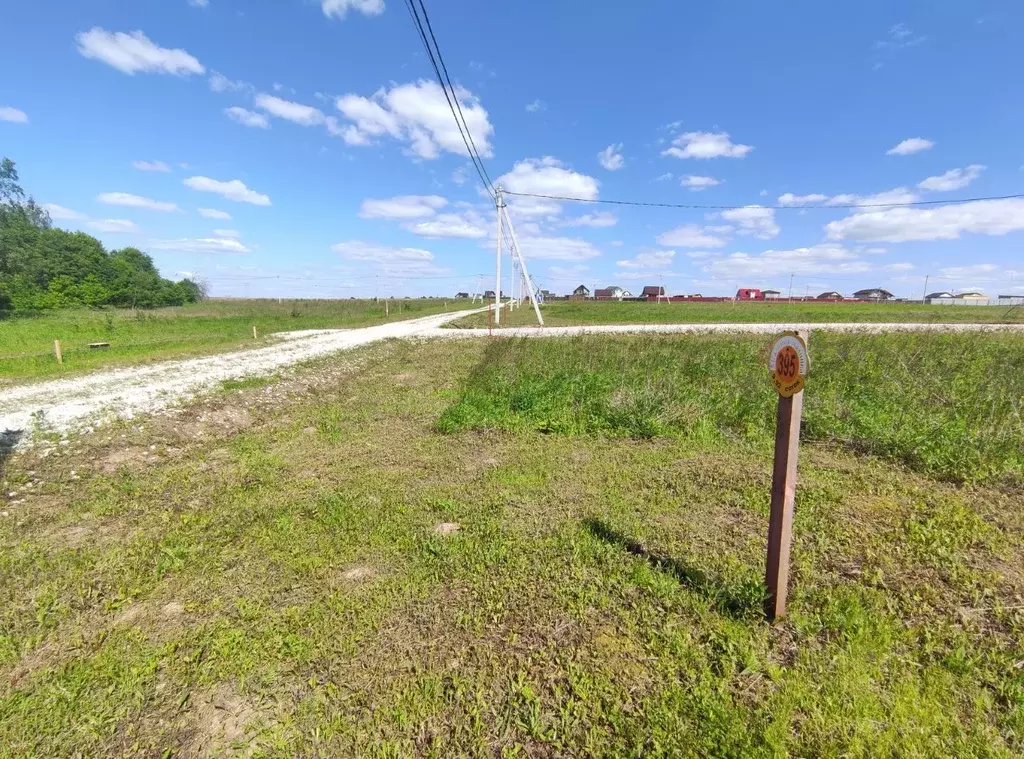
(942, 403)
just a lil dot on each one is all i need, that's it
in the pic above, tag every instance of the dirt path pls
(64, 405)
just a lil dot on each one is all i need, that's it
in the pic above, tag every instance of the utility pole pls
(517, 253)
(790, 287)
(924, 295)
(499, 205)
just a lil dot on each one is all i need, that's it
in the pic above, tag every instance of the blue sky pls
(302, 147)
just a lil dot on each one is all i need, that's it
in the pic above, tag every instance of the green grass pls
(569, 313)
(950, 405)
(601, 599)
(26, 343)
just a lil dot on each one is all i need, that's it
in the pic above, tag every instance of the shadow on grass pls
(744, 599)
(9, 440)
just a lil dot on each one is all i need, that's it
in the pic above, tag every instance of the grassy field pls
(26, 344)
(277, 569)
(569, 313)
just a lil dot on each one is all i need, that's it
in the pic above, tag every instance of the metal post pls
(924, 295)
(498, 204)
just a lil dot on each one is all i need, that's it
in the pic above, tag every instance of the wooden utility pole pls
(788, 363)
(57, 352)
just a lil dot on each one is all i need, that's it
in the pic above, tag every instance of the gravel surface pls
(65, 405)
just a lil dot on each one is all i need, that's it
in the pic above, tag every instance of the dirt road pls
(63, 405)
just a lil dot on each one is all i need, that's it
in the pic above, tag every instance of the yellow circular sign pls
(788, 364)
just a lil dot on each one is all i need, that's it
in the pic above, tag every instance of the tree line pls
(43, 267)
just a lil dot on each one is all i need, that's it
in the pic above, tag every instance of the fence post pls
(57, 352)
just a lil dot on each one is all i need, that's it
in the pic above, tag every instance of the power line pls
(444, 68)
(470, 145)
(753, 205)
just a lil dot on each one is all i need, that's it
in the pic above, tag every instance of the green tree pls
(42, 267)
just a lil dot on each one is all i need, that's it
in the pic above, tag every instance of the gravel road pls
(64, 405)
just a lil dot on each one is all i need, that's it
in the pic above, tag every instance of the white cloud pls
(418, 114)
(574, 271)
(200, 245)
(60, 213)
(213, 213)
(303, 115)
(899, 36)
(658, 259)
(663, 177)
(557, 248)
(954, 179)
(339, 8)
(228, 233)
(611, 157)
(467, 226)
(247, 118)
(113, 225)
(131, 53)
(356, 250)
(696, 184)
(134, 201)
(983, 217)
(151, 166)
(7, 113)
(233, 190)
(545, 176)
(402, 207)
(600, 219)
(459, 176)
(820, 259)
(692, 236)
(198, 3)
(910, 146)
(753, 220)
(220, 83)
(976, 272)
(898, 267)
(896, 197)
(789, 199)
(536, 105)
(706, 145)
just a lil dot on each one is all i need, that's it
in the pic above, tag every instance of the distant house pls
(830, 295)
(1011, 300)
(612, 293)
(939, 297)
(489, 294)
(771, 294)
(461, 295)
(582, 292)
(873, 293)
(972, 295)
(749, 293)
(653, 291)
(547, 294)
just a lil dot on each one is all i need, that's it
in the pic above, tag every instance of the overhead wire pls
(451, 87)
(469, 143)
(698, 207)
